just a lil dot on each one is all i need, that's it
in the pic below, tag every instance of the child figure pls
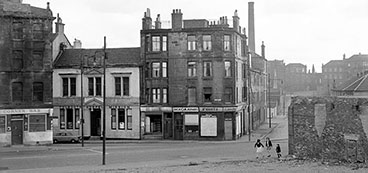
(268, 146)
(278, 150)
(259, 146)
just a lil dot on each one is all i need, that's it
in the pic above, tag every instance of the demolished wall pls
(328, 128)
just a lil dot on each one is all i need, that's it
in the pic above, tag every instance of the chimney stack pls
(263, 50)
(236, 21)
(59, 26)
(251, 33)
(158, 22)
(147, 20)
(77, 44)
(177, 19)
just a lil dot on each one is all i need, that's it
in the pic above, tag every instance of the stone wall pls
(328, 128)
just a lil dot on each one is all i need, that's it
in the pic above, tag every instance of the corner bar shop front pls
(190, 123)
(25, 126)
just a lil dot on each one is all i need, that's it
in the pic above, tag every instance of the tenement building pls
(25, 73)
(194, 78)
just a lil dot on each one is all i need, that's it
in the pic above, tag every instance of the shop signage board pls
(208, 125)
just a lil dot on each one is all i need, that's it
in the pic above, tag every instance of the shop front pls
(156, 123)
(25, 126)
(205, 123)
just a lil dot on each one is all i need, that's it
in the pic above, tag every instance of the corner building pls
(25, 74)
(194, 79)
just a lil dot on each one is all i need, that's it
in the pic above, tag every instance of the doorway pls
(168, 127)
(17, 132)
(178, 126)
(96, 122)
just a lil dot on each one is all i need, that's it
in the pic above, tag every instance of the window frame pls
(119, 117)
(69, 89)
(207, 42)
(228, 94)
(37, 94)
(207, 67)
(156, 43)
(42, 124)
(18, 30)
(17, 60)
(2, 124)
(95, 88)
(192, 95)
(17, 92)
(191, 43)
(113, 119)
(122, 86)
(156, 70)
(207, 90)
(228, 69)
(226, 42)
(192, 68)
(156, 95)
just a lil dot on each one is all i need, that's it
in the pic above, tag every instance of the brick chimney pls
(236, 21)
(59, 26)
(251, 33)
(263, 50)
(77, 44)
(177, 19)
(158, 22)
(147, 20)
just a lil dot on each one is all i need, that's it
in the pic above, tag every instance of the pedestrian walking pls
(278, 151)
(259, 148)
(268, 146)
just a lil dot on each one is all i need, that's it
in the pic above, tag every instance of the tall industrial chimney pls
(251, 33)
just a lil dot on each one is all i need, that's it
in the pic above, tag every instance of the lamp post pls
(104, 105)
(249, 94)
(82, 106)
(269, 100)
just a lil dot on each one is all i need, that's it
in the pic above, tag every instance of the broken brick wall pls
(329, 128)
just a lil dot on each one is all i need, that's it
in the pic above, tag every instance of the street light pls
(104, 105)
(104, 101)
(82, 106)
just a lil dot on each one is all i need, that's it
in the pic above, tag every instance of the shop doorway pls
(17, 132)
(178, 126)
(154, 124)
(168, 127)
(96, 122)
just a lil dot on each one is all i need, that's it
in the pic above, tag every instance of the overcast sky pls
(296, 31)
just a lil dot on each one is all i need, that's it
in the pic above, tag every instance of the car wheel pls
(55, 141)
(73, 141)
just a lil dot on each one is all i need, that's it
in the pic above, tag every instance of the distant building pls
(296, 77)
(338, 72)
(276, 70)
(26, 73)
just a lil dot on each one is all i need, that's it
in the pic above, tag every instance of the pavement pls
(260, 133)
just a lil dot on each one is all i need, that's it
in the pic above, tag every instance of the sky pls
(296, 31)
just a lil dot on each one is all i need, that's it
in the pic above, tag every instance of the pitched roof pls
(356, 84)
(334, 63)
(358, 57)
(115, 56)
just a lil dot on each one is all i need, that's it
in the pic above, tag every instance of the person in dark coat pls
(278, 151)
(259, 146)
(268, 146)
